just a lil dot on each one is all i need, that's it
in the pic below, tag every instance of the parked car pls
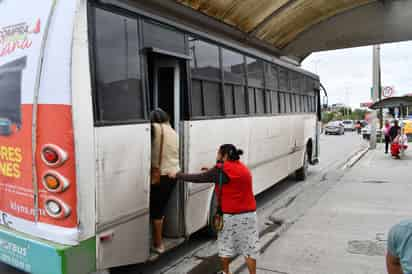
(349, 125)
(335, 127)
(366, 132)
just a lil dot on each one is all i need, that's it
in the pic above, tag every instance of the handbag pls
(155, 171)
(218, 217)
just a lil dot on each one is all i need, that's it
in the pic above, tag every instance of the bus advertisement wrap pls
(26, 37)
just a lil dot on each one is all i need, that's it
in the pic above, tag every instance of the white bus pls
(83, 77)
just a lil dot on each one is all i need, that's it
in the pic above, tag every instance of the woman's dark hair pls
(231, 151)
(159, 116)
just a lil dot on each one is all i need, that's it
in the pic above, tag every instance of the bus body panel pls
(83, 125)
(273, 147)
(123, 157)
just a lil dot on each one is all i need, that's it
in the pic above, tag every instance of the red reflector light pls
(107, 237)
(50, 156)
(53, 155)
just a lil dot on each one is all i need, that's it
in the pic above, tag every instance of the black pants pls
(387, 142)
(159, 196)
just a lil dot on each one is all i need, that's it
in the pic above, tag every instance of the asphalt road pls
(185, 259)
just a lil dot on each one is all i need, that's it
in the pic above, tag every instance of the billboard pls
(35, 111)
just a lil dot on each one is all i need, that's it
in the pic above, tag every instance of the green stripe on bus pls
(37, 256)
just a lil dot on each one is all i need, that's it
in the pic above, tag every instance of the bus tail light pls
(53, 155)
(54, 181)
(56, 208)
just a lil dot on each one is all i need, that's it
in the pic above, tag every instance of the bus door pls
(166, 73)
(122, 140)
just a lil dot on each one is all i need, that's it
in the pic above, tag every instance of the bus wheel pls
(302, 172)
(210, 230)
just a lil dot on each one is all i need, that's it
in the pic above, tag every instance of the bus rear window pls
(118, 85)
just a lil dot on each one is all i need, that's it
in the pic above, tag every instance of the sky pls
(347, 74)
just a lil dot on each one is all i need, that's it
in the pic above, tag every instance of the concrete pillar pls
(376, 93)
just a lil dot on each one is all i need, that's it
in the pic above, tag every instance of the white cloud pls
(347, 73)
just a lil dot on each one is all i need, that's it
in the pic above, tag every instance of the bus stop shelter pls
(403, 103)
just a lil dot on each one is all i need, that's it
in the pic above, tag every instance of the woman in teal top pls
(399, 256)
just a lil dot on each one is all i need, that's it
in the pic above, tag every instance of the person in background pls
(399, 251)
(400, 143)
(394, 131)
(240, 233)
(386, 129)
(165, 158)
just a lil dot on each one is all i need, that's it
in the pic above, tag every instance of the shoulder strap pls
(220, 185)
(161, 145)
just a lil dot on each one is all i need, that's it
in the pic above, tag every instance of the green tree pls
(358, 114)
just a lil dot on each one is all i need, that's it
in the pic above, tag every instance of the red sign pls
(366, 105)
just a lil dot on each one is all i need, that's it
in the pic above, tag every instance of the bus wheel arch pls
(302, 172)
(309, 150)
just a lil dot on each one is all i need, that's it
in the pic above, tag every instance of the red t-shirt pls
(237, 194)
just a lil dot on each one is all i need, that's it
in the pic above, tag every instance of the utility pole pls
(376, 90)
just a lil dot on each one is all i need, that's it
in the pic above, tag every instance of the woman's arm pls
(210, 176)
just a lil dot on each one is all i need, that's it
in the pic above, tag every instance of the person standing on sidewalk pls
(386, 129)
(238, 205)
(399, 254)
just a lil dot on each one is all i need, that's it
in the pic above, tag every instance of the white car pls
(335, 127)
(366, 132)
(349, 125)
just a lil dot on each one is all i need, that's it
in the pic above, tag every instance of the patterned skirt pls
(239, 236)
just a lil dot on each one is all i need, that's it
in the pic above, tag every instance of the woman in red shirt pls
(239, 234)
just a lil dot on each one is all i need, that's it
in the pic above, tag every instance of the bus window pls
(240, 100)
(275, 102)
(288, 103)
(118, 91)
(271, 77)
(229, 104)
(197, 98)
(268, 101)
(212, 98)
(260, 100)
(233, 65)
(282, 102)
(252, 100)
(298, 103)
(205, 68)
(283, 79)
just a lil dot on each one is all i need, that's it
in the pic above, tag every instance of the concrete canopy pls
(297, 28)
(393, 102)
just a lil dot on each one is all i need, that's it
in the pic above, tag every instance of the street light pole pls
(376, 65)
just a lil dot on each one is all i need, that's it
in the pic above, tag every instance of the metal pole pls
(375, 93)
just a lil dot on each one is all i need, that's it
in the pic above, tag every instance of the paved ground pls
(345, 231)
(285, 202)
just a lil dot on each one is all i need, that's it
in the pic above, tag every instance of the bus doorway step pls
(169, 243)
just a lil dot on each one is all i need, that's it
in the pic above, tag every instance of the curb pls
(355, 158)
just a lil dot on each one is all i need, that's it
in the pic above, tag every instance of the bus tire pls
(210, 230)
(302, 173)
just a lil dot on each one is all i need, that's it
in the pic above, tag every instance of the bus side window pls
(118, 96)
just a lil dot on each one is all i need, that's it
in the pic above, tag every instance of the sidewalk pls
(345, 231)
